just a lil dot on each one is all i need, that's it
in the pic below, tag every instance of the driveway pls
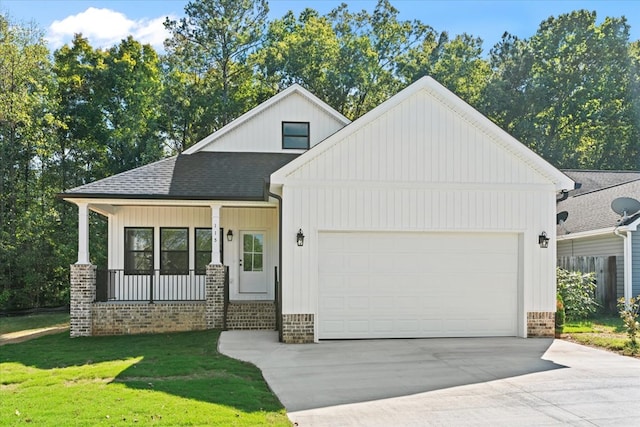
(443, 382)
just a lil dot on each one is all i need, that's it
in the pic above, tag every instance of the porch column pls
(215, 235)
(83, 233)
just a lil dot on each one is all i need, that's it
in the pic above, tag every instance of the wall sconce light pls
(543, 240)
(229, 236)
(300, 238)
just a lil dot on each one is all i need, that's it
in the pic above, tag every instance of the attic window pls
(295, 135)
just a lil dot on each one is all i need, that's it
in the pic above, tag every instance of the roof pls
(560, 180)
(199, 176)
(592, 180)
(295, 88)
(589, 208)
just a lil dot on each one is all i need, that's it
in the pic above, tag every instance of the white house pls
(420, 219)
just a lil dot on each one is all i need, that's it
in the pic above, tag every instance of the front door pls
(253, 274)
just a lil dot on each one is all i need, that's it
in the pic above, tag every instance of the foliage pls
(629, 313)
(577, 291)
(560, 313)
(175, 379)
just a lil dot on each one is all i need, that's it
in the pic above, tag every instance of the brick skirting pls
(255, 315)
(144, 318)
(297, 328)
(541, 324)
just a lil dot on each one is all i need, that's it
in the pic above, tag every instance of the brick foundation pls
(115, 318)
(83, 293)
(297, 328)
(541, 324)
(214, 291)
(256, 315)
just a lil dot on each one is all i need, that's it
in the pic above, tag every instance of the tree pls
(207, 65)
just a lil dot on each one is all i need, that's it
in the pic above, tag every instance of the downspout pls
(627, 264)
(279, 290)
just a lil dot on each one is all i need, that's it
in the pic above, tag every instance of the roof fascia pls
(295, 88)
(559, 179)
(110, 203)
(589, 233)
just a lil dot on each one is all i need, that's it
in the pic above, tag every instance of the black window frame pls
(179, 271)
(285, 136)
(128, 270)
(203, 270)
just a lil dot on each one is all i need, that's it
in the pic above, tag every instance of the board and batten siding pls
(264, 132)
(603, 245)
(420, 166)
(236, 219)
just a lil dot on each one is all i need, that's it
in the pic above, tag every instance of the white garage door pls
(410, 285)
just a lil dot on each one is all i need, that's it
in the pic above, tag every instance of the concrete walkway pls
(444, 382)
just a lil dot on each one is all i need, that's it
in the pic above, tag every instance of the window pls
(174, 250)
(138, 250)
(203, 249)
(295, 135)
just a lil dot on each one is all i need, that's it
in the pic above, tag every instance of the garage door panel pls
(421, 285)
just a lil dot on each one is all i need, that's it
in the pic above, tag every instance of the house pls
(588, 226)
(420, 219)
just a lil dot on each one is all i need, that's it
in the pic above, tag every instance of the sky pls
(107, 22)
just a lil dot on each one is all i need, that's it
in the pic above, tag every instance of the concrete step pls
(254, 315)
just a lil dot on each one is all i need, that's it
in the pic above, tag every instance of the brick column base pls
(83, 294)
(297, 328)
(541, 324)
(214, 293)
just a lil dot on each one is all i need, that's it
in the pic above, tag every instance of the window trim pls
(127, 251)
(308, 136)
(162, 251)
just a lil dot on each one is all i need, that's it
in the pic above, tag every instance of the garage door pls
(402, 285)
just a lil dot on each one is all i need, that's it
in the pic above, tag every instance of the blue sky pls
(106, 22)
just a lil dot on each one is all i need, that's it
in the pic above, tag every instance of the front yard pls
(172, 379)
(605, 332)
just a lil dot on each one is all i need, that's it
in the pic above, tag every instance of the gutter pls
(628, 268)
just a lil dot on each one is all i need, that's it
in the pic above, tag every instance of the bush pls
(560, 314)
(578, 293)
(629, 315)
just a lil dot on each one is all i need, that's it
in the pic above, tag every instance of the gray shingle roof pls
(589, 208)
(199, 176)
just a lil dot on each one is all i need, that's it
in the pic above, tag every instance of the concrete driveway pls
(443, 382)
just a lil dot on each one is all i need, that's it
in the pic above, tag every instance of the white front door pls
(253, 274)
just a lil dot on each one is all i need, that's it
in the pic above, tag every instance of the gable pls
(260, 130)
(424, 134)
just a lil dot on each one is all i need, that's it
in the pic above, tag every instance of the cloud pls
(106, 27)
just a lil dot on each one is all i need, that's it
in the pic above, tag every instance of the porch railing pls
(150, 286)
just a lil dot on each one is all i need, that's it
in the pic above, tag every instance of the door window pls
(253, 251)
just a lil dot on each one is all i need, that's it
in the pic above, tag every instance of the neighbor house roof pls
(199, 176)
(589, 208)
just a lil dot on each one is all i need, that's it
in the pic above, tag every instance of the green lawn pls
(173, 379)
(603, 331)
(34, 321)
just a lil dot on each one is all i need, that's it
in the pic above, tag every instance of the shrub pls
(577, 291)
(560, 314)
(629, 315)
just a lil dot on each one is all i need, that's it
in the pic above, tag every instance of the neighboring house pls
(592, 228)
(421, 218)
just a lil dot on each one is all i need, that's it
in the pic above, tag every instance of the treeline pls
(570, 92)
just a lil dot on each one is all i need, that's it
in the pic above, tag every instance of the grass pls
(170, 379)
(34, 321)
(602, 331)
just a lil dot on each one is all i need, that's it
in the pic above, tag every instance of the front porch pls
(178, 268)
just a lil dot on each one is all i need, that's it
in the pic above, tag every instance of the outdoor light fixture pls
(229, 235)
(543, 240)
(300, 238)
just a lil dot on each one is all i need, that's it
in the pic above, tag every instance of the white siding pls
(419, 167)
(235, 219)
(607, 245)
(263, 133)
